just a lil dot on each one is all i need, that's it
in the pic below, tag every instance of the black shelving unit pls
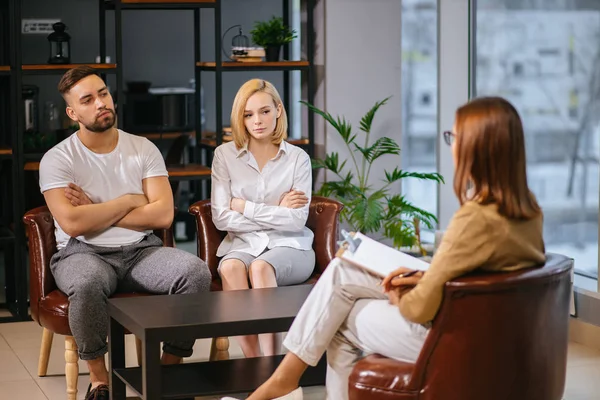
(285, 66)
(13, 160)
(118, 6)
(12, 233)
(218, 67)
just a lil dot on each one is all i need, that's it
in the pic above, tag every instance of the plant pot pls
(272, 53)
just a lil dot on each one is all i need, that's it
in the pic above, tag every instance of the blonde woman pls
(498, 227)
(261, 189)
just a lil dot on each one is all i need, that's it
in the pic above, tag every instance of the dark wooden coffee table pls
(204, 315)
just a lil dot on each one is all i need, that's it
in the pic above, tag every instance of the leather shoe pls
(100, 392)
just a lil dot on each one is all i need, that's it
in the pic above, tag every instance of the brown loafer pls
(100, 392)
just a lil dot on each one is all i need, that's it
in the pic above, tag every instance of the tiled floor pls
(20, 346)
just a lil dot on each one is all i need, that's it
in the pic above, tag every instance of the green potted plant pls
(368, 208)
(272, 35)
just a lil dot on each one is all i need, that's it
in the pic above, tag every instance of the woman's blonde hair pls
(238, 129)
(490, 151)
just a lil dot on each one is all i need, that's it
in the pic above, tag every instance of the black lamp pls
(60, 47)
(239, 43)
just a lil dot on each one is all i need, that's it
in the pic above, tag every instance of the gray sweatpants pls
(89, 274)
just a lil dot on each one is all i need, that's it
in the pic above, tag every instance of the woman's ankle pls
(284, 383)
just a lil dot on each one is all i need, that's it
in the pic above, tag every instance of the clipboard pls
(377, 258)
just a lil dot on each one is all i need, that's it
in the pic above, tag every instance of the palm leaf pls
(368, 212)
(398, 206)
(367, 120)
(381, 147)
(317, 163)
(339, 189)
(331, 162)
(401, 232)
(343, 127)
(398, 174)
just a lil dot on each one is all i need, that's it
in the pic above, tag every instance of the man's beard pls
(103, 123)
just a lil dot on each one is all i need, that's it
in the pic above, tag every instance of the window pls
(419, 100)
(544, 57)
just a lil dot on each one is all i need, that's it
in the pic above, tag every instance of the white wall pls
(453, 91)
(362, 45)
(362, 65)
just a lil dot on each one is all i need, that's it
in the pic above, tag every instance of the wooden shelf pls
(255, 66)
(61, 68)
(164, 135)
(5, 151)
(176, 172)
(4, 69)
(181, 172)
(32, 166)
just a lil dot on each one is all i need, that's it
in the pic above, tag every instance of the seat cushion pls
(379, 377)
(54, 311)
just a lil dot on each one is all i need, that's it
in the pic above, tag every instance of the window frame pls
(456, 85)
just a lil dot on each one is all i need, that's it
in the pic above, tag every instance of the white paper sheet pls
(379, 258)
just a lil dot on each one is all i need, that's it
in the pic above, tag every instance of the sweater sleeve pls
(467, 244)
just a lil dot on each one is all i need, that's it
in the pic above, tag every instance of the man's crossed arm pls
(77, 215)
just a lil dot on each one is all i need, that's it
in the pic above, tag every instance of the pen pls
(407, 274)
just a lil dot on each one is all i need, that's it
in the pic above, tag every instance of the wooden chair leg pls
(219, 349)
(71, 367)
(138, 351)
(47, 336)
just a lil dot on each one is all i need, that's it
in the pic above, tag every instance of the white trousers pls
(348, 315)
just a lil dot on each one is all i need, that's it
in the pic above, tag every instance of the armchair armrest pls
(323, 220)
(39, 226)
(209, 237)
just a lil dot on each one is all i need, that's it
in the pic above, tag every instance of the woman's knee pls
(232, 268)
(260, 269)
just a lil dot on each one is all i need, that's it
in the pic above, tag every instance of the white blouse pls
(264, 224)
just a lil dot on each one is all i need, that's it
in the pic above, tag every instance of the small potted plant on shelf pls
(369, 208)
(271, 35)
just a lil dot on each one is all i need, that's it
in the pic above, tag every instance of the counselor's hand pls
(395, 294)
(293, 199)
(399, 282)
(76, 195)
(401, 277)
(237, 205)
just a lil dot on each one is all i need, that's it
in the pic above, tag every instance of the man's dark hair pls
(74, 75)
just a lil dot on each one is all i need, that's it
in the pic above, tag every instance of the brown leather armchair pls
(50, 306)
(497, 336)
(323, 220)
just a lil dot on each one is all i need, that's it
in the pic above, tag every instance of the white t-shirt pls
(102, 177)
